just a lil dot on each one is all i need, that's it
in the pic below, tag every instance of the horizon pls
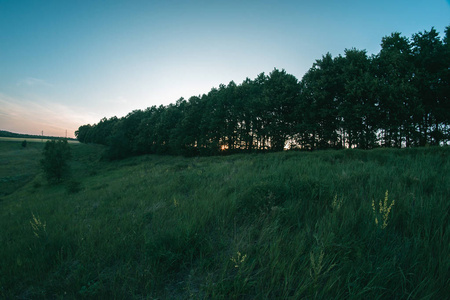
(70, 64)
(36, 135)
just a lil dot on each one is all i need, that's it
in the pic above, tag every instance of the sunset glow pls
(64, 64)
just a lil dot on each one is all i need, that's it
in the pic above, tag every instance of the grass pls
(18, 165)
(32, 140)
(284, 225)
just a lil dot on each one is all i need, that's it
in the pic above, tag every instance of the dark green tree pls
(56, 155)
(244, 109)
(394, 70)
(191, 133)
(444, 89)
(280, 97)
(119, 145)
(358, 104)
(253, 113)
(317, 113)
(431, 64)
(146, 139)
(82, 133)
(397, 98)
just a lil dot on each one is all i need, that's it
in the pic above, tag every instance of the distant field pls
(344, 224)
(11, 139)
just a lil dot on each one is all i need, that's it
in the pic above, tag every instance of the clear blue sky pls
(68, 63)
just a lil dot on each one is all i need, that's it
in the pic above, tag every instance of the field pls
(33, 140)
(344, 224)
(18, 164)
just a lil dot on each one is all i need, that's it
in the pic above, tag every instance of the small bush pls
(56, 155)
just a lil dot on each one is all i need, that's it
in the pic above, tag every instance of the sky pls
(64, 64)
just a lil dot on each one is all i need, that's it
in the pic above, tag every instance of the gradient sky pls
(68, 63)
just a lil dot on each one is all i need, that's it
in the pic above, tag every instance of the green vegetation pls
(18, 164)
(11, 135)
(55, 162)
(396, 98)
(276, 225)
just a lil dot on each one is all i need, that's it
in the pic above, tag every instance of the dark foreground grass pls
(275, 226)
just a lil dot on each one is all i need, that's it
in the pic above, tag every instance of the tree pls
(82, 133)
(399, 97)
(55, 162)
(431, 64)
(280, 94)
(358, 107)
(397, 102)
(318, 122)
(119, 145)
(444, 89)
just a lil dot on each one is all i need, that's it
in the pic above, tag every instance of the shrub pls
(56, 155)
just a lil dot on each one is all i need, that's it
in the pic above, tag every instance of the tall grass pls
(285, 225)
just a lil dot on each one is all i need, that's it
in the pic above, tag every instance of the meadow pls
(345, 224)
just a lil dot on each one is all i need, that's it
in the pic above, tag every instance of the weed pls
(39, 227)
(316, 258)
(383, 211)
(337, 203)
(239, 259)
(316, 264)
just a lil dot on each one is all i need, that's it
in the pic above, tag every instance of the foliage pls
(298, 225)
(396, 98)
(383, 211)
(55, 162)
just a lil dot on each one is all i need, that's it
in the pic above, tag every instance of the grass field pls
(18, 164)
(294, 225)
(33, 140)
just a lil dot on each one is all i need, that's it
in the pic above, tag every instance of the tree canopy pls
(396, 98)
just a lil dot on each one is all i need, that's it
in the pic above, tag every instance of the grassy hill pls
(18, 164)
(321, 225)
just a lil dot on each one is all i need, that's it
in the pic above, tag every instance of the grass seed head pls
(383, 211)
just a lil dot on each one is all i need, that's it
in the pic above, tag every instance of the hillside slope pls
(291, 224)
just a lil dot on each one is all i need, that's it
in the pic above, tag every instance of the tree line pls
(396, 98)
